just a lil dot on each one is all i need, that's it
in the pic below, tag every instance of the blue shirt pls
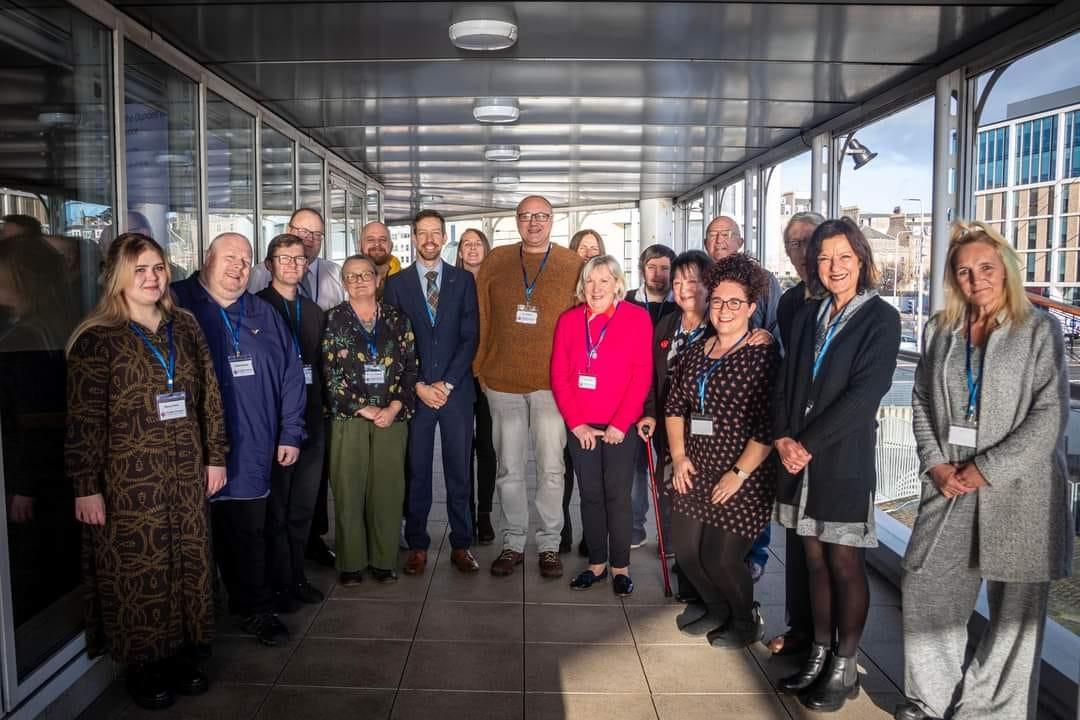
(264, 410)
(423, 270)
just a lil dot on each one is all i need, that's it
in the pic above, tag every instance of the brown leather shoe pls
(463, 560)
(550, 565)
(416, 562)
(504, 564)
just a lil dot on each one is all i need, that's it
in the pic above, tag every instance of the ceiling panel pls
(618, 101)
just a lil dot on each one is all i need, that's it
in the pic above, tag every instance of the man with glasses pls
(722, 238)
(295, 488)
(440, 302)
(262, 390)
(321, 281)
(522, 289)
(375, 243)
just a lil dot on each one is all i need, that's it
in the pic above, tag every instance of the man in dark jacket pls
(262, 389)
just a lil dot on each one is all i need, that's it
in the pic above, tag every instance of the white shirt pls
(323, 276)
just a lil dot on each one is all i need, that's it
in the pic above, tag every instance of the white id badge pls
(962, 436)
(171, 406)
(527, 314)
(701, 425)
(309, 376)
(374, 374)
(242, 365)
(586, 382)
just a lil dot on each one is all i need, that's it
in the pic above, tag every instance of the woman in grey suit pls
(990, 403)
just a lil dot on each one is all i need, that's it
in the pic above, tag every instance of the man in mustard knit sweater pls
(523, 288)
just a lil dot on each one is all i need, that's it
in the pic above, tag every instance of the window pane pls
(230, 164)
(311, 180)
(162, 157)
(278, 183)
(357, 200)
(338, 247)
(374, 212)
(787, 192)
(56, 151)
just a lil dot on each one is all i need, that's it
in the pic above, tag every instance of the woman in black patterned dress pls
(718, 430)
(145, 448)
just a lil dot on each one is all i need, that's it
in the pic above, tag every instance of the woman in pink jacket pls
(601, 368)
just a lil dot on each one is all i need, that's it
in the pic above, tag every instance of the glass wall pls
(162, 156)
(278, 184)
(56, 165)
(337, 231)
(230, 168)
(786, 192)
(311, 180)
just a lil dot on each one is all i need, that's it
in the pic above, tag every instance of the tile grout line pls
(637, 651)
(775, 692)
(412, 642)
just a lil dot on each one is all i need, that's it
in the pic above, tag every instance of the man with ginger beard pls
(375, 243)
(440, 302)
(263, 393)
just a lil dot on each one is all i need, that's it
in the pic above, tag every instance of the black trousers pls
(320, 519)
(714, 560)
(289, 511)
(797, 585)
(482, 475)
(240, 548)
(568, 490)
(605, 477)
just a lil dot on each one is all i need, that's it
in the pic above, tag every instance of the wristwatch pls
(740, 473)
(449, 386)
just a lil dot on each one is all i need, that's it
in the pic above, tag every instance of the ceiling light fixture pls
(483, 27)
(502, 153)
(506, 179)
(431, 198)
(496, 109)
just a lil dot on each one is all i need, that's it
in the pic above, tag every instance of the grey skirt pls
(853, 534)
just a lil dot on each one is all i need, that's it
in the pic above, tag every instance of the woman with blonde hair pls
(145, 448)
(990, 405)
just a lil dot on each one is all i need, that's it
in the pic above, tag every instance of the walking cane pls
(656, 512)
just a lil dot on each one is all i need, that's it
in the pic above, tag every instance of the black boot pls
(838, 683)
(149, 687)
(741, 633)
(813, 666)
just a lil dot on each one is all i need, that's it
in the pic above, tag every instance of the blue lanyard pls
(295, 334)
(973, 383)
(704, 378)
(170, 366)
(234, 331)
(529, 287)
(591, 350)
(691, 336)
(819, 358)
(371, 338)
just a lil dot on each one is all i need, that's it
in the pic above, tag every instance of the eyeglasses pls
(796, 244)
(305, 233)
(529, 217)
(733, 304)
(351, 278)
(291, 259)
(725, 234)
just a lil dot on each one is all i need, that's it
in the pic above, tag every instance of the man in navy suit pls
(440, 301)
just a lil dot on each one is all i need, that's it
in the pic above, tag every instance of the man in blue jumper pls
(262, 389)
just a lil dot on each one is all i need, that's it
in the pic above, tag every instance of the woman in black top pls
(839, 366)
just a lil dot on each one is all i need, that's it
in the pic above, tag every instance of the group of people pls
(753, 405)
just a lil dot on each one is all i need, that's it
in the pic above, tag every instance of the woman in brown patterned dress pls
(145, 448)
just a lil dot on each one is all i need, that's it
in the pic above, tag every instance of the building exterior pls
(1027, 186)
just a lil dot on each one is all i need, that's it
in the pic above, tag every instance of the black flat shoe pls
(350, 578)
(185, 678)
(586, 578)
(383, 576)
(149, 688)
(739, 634)
(622, 585)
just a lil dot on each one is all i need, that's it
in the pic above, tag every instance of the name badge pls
(374, 374)
(309, 375)
(242, 365)
(962, 436)
(586, 382)
(527, 314)
(171, 406)
(701, 425)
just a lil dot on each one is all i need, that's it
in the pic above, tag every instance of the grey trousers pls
(1002, 679)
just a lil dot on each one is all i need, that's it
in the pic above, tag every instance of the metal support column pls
(821, 173)
(952, 119)
(751, 185)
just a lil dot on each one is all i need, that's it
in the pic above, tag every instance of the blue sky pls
(904, 141)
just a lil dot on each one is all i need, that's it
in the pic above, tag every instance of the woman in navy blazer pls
(840, 365)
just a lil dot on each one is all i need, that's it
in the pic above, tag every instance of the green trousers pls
(367, 475)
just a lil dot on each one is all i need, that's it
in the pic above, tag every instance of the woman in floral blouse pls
(369, 362)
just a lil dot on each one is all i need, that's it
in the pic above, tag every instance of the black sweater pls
(839, 431)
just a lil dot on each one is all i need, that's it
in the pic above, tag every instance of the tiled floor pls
(445, 646)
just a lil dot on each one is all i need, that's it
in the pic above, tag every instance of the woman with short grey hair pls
(990, 405)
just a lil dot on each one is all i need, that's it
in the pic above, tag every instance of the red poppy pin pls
(665, 344)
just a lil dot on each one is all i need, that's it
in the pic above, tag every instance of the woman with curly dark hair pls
(718, 431)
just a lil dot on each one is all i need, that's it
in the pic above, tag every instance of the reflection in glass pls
(336, 227)
(278, 183)
(787, 192)
(374, 212)
(311, 180)
(162, 157)
(57, 168)
(230, 168)
(357, 201)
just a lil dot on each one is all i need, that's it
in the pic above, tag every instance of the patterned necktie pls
(432, 292)
(305, 285)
